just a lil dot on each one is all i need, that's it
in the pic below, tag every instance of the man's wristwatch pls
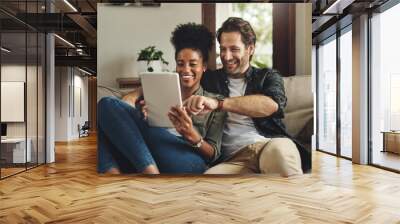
(220, 103)
(198, 144)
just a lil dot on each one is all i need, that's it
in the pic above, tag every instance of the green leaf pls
(150, 53)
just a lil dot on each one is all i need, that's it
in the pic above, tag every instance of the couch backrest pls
(299, 108)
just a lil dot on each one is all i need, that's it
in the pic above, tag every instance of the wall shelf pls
(128, 83)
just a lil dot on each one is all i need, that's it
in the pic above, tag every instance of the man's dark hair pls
(193, 36)
(236, 24)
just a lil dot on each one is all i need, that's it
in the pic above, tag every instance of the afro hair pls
(194, 36)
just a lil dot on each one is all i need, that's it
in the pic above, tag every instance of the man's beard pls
(234, 74)
(237, 71)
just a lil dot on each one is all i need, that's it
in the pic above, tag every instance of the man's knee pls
(280, 155)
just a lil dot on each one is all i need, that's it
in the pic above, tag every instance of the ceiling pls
(76, 22)
(331, 15)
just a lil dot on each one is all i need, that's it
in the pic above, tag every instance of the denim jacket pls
(269, 83)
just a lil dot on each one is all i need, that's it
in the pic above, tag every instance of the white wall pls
(61, 103)
(14, 72)
(33, 127)
(79, 117)
(123, 30)
(12, 101)
(303, 38)
(69, 82)
(17, 73)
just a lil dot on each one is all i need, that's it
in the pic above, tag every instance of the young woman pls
(126, 144)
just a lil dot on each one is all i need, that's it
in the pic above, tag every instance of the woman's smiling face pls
(190, 67)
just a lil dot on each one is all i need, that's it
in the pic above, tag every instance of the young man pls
(254, 138)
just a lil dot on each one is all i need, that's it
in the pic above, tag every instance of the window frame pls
(333, 37)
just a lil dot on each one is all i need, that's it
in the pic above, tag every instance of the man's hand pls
(183, 124)
(200, 104)
(133, 96)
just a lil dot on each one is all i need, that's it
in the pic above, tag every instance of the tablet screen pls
(161, 91)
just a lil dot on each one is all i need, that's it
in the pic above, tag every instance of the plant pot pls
(152, 66)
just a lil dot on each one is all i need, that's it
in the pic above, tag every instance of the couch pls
(299, 111)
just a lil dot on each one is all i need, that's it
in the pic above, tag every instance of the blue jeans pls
(127, 142)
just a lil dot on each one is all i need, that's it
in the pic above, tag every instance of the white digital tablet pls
(161, 91)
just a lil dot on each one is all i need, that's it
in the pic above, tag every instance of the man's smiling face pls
(235, 55)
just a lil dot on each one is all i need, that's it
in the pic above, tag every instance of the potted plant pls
(150, 59)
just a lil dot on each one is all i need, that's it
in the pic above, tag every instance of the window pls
(346, 93)
(22, 64)
(260, 17)
(394, 102)
(327, 96)
(385, 84)
(335, 74)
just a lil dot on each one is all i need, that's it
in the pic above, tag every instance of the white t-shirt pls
(239, 130)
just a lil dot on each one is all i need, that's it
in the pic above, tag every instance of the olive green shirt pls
(210, 125)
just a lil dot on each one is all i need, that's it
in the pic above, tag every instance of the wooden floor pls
(5, 172)
(8, 171)
(387, 159)
(70, 191)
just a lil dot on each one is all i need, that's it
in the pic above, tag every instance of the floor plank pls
(70, 191)
(387, 159)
